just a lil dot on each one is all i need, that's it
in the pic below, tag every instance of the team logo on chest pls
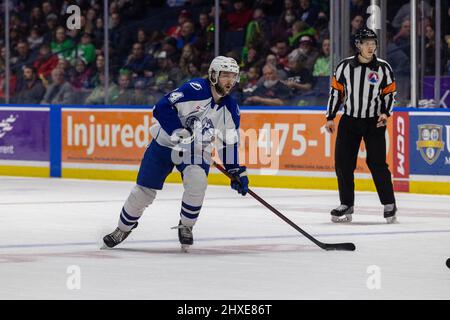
(373, 77)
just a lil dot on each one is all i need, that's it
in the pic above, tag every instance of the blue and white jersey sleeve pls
(230, 135)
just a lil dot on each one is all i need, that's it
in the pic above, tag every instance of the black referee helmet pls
(363, 34)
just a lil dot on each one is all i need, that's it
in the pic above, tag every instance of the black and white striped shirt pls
(365, 89)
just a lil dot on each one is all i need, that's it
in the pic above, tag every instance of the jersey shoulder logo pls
(175, 96)
(197, 86)
(373, 77)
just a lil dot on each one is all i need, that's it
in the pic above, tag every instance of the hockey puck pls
(448, 262)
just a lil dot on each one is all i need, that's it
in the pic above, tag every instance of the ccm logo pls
(401, 145)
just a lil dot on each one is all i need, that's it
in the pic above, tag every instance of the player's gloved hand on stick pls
(182, 135)
(240, 179)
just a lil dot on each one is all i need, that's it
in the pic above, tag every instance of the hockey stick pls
(326, 246)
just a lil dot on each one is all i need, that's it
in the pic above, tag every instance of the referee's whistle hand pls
(382, 120)
(329, 126)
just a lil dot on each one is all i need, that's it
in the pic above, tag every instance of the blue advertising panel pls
(429, 143)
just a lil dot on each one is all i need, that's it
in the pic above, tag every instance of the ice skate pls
(389, 213)
(184, 236)
(114, 238)
(342, 214)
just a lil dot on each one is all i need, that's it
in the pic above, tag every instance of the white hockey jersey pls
(192, 106)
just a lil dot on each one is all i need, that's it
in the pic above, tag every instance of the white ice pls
(241, 250)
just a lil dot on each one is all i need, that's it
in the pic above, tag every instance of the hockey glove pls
(240, 179)
(182, 136)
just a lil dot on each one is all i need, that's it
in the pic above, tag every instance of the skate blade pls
(104, 247)
(345, 219)
(185, 248)
(391, 220)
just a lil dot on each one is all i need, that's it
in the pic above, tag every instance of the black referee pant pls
(350, 132)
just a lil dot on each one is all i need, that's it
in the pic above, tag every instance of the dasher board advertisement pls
(24, 134)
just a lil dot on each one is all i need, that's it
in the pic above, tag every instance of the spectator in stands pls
(143, 38)
(155, 42)
(132, 10)
(12, 85)
(14, 36)
(193, 71)
(250, 82)
(36, 17)
(403, 37)
(32, 89)
(272, 92)
(90, 23)
(169, 46)
(256, 33)
(75, 36)
(283, 28)
(98, 33)
(205, 32)
(125, 93)
(401, 65)
(140, 97)
(188, 54)
(175, 31)
(322, 28)
(45, 62)
(272, 8)
(47, 8)
(239, 17)
(118, 37)
(85, 49)
(356, 24)
(430, 52)
(97, 70)
(167, 77)
(140, 63)
(252, 59)
(23, 55)
(187, 35)
(61, 45)
(306, 53)
(405, 13)
(50, 28)
(290, 4)
(308, 12)
(35, 39)
(281, 52)
(299, 29)
(322, 67)
(359, 7)
(299, 79)
(59, 91)
(97, 95)
(64, 65)
(272, 59)
(80, 78)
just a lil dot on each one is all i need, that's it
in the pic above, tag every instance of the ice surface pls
(241, 250)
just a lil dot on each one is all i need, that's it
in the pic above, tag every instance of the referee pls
(366, 87)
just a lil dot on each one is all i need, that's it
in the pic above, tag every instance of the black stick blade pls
(348, 246)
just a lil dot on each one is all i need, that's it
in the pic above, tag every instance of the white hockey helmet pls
(221, 63)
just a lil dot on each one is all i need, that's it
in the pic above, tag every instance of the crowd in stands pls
(282, 47)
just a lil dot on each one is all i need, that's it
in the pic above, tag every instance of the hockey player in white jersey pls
(190, 120)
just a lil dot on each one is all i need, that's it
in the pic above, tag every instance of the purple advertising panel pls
(428, 90)
(24, 134)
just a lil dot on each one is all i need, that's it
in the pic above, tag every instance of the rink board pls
(285, 147)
